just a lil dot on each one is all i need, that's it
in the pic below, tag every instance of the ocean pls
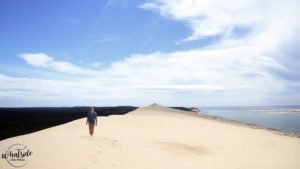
(284, 118)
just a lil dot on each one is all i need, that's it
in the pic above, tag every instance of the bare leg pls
(91, 128)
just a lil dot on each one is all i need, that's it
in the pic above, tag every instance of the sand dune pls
(157, 137)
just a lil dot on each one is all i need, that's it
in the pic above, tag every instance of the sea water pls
(284, 118)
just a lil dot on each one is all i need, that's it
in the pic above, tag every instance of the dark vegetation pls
(184, 108)
(19, 121)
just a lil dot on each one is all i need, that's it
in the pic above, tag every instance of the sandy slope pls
(156, 137)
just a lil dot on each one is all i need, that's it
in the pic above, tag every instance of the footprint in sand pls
(103, 141)
(181, 149)
(85, 136)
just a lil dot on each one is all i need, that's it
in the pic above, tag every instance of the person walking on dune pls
(91, 120)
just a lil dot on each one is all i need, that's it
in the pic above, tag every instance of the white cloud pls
(42, 60)
(207, 77)
(219, 69)
(37, 59)
(215, 17)
(272, 26)
(183, 88)
(209, 17)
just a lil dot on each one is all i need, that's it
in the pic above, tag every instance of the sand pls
(157, 138)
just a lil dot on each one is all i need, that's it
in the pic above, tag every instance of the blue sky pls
(89, 31)
(121, 52)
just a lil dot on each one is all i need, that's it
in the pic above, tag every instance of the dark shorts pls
(91, 122)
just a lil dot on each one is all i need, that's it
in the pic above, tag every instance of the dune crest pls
(155, 107)
(159, 110)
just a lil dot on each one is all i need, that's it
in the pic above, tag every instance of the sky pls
(138, 52)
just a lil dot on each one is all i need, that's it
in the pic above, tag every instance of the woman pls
(92, 120)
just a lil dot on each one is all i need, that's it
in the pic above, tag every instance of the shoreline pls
(250, 125)
(198, 114)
